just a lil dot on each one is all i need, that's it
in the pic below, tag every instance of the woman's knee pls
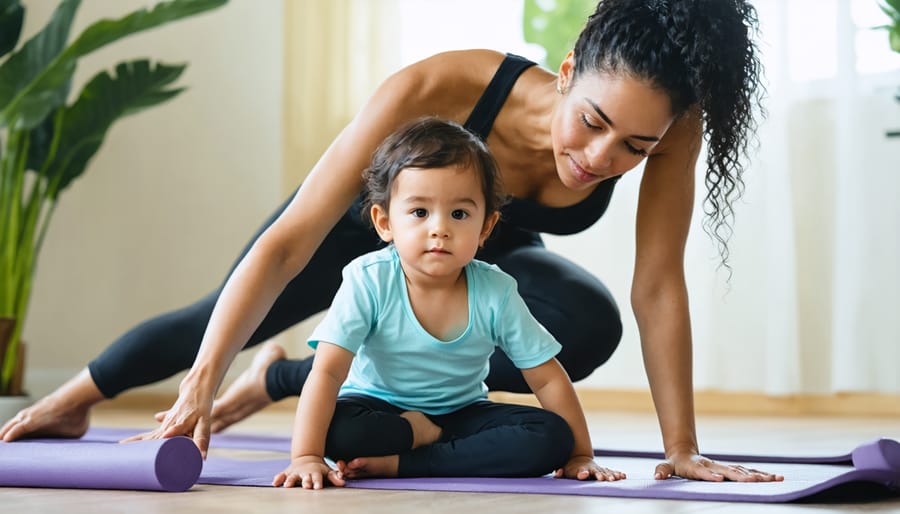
(571, 303)
(590, 335)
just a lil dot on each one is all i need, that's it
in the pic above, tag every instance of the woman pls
(648, 79)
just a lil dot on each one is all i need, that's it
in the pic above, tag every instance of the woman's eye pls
(459, 214)
(587, 123)
(636, 151)
(419, 213)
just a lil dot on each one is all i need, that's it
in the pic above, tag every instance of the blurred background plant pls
(892, 9)
(555, 24)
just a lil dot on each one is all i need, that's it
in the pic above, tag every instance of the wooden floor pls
(609, 430)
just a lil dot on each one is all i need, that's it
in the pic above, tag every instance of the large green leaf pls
(895, 6)
(555, 26)
(39, 147)
(32, 103)
(106, 98)
(11, 16)
(25, 66)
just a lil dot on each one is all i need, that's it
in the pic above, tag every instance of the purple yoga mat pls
(876, 465)
(232, 441)
(160, 465)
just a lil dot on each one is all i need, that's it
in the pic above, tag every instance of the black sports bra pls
(522, 213)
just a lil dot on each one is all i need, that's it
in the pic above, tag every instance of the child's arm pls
(314, 412)
(554, 390)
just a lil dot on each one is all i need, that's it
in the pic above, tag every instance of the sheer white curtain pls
(814, 302)
(336, 54)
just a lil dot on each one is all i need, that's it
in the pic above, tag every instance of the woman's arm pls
(660, 302)
(659, 294)
(314, 412)
(553, 389)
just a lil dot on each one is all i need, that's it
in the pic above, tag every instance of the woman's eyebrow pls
(609, 122)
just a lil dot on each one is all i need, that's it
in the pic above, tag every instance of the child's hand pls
(308, 472)
(584, 468)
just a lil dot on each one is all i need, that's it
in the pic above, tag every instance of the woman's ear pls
(381, 223)
(489, 224)
(566, 71)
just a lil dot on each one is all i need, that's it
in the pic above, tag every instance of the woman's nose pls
(599, 154)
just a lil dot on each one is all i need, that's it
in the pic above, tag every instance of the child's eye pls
(419, 213)
(459, 214)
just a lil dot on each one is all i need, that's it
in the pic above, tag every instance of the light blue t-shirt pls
(398, 361)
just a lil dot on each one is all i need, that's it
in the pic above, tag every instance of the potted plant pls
(46, 143)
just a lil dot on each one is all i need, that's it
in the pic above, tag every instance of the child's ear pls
(382, 223)
(489, 224)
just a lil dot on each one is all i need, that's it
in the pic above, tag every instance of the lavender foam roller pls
(158, 465)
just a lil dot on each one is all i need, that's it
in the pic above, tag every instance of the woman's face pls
(605, 125)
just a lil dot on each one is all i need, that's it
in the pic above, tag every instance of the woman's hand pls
(308, 472)
(584, 468)
(698, 467)
(189, 416)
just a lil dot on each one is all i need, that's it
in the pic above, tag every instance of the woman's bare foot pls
(424, 431)
(363, 467)
(248, 393)
(64, 413)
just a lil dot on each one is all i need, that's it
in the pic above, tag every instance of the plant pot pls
(15, 385)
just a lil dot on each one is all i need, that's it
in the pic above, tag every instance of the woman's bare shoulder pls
(462, 64)
(447, 84)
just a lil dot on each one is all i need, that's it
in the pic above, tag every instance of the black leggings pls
(570, 302)
(484, 439)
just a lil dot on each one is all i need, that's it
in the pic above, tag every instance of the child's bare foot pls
(248, 393)
(365, 467)
(424, 431)
(64, 413)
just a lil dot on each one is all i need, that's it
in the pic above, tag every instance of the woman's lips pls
(581, 174)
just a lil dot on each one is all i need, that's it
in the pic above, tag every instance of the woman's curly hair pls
(700, 52)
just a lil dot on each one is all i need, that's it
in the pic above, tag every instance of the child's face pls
(436, 219)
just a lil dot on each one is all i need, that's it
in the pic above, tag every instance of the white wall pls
(175, 191)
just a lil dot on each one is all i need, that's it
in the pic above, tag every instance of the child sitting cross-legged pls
(397, 384)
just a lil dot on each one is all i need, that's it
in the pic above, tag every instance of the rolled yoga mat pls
(159, 465)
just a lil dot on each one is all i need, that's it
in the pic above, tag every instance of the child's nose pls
(439, 228)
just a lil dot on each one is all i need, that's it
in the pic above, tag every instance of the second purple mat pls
(272, 443)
